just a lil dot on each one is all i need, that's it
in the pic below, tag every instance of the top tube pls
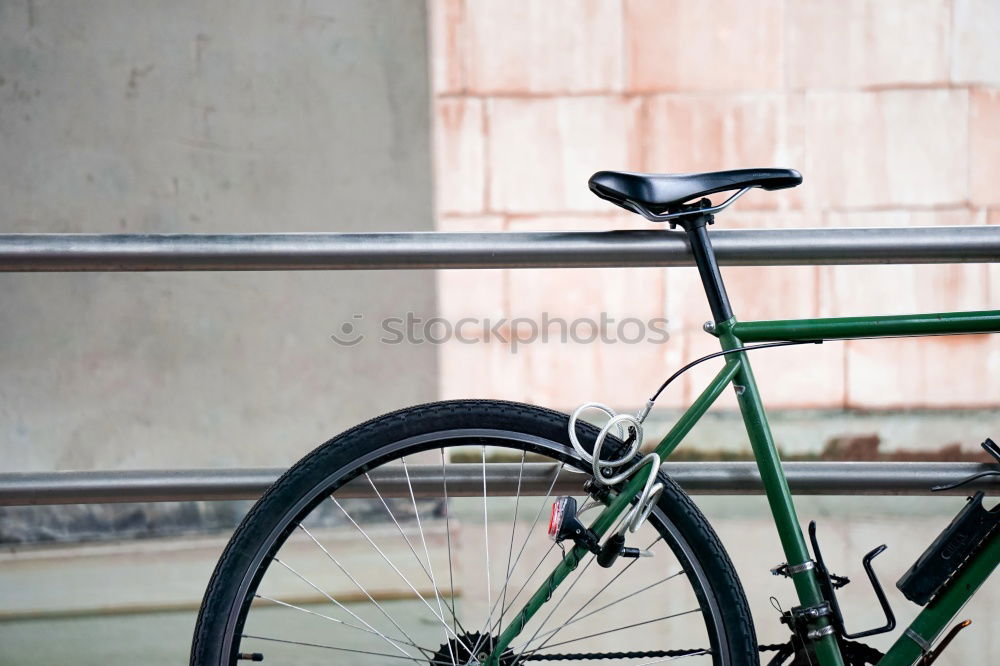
(941, 323)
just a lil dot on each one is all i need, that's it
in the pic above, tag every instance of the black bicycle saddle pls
(662, 193)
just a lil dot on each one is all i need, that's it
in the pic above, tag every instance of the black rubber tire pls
(305, 484)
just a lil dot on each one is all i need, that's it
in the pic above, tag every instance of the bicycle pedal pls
(949, 551)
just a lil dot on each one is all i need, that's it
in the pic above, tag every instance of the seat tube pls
(776, 489)
(779, 497)
(708, 268)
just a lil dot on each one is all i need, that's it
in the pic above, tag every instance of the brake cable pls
(604, 469)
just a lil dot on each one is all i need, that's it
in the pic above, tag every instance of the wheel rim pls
(539, 637)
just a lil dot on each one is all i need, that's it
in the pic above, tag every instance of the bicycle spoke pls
(610, 582)
(409, 544)
(398, 572)
(538, 514)
(341, 649)
(427, 554)
(510, 550)
(527, 580)
(486, 535)
(355, 581)
(577, 579)
(573, 618)
(341, 606)
(447, 531)
(623, 598)
(333, 619)
(611, 631)
(549, 634)
(527, 537)
(399, 527)
(486, 544)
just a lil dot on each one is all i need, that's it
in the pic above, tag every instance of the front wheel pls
(417, 536)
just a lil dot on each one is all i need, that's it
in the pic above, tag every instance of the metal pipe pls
(465, 479)
(383, 251)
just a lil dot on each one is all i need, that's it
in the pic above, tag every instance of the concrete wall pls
(891, 110)
(219, 117)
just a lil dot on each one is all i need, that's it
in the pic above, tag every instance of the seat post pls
(708, 268)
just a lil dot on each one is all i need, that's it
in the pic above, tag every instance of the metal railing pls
(311, 251)
(466, 479)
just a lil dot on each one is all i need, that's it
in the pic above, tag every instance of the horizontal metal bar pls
(465, 479)
(335, 251)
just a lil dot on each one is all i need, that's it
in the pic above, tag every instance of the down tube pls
(779, 497)
(619, 504)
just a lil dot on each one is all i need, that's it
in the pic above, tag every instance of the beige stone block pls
(448, 35)
(858, 43)
(620, 374)
(901, 147)
(675, 45)
(944, 371)
(848, 291)
(542, 151)
(555, 46)
(459, 160)
(481, 369)
(975, 48)
(692, 133)
(984, 146)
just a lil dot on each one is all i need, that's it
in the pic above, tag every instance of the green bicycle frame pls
(733, 335)
(918, 638)
(925, 629)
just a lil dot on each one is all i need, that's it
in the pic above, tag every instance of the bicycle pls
(427, 473)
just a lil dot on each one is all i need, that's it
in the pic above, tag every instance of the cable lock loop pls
(603, 469)
(652, 490)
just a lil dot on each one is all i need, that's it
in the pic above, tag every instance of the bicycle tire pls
(319, 474)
